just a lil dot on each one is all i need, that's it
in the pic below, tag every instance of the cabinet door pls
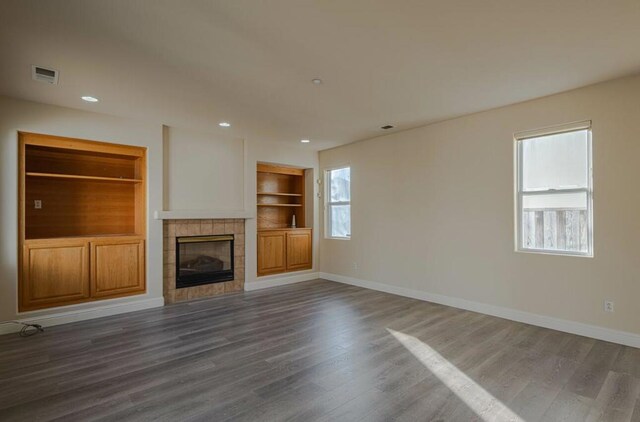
(54, 274)
(271, 252)
(298, 250)
(117, 267)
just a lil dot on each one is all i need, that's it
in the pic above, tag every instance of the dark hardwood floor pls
(314, 351)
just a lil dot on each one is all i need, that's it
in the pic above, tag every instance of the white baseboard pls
(279, 280)
(83, 314)
(573, 327)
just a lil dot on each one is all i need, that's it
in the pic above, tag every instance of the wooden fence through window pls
(560, 229)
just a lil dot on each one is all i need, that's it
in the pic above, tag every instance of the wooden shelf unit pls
(280, 196)
(86, 240)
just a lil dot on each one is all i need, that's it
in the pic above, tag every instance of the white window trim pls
(328, 203)
(553, 130)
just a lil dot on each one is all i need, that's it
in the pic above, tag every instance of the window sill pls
(556, 253)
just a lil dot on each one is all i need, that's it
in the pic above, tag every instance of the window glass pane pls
(555, 161)
(341, 220)
(556, 222)
(340, 180)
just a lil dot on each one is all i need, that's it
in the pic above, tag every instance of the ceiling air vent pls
(42, 74)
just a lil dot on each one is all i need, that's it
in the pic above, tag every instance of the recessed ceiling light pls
(305, 141)
(317, 81)
(90, 99)
(224, 124)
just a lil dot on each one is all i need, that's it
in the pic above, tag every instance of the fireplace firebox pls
(204, 260)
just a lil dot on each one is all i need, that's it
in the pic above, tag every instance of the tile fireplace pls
(203, 258)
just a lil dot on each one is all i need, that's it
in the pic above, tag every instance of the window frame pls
(328, 203)
(520, 192)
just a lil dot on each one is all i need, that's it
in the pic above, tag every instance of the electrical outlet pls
(608, 306)
(355, 266)
(37, 204)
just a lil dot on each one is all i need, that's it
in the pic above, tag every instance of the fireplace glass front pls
(203, 260)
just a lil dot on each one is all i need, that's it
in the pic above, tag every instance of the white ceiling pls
(194, 63)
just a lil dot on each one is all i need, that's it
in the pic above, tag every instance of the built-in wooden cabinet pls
(82, 220)
(281, 197)
(298, 249)
(117, 267)
(65, 261)
(282, 250)
(272, 247)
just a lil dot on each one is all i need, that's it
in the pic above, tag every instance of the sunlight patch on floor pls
(479, 400)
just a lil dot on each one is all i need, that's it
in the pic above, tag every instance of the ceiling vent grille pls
(42, 74)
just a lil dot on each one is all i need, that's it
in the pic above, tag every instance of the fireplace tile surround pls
(201, 227)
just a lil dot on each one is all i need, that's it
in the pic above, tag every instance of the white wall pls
(16, 115)
(433, 211)
(202, 171)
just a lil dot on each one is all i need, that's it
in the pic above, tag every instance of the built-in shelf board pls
(279, 205)
(79, 177)
(279, 194)
(283, 228)
(85, 236)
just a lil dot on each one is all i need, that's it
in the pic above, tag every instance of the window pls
(554, 191)
(338, 202)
